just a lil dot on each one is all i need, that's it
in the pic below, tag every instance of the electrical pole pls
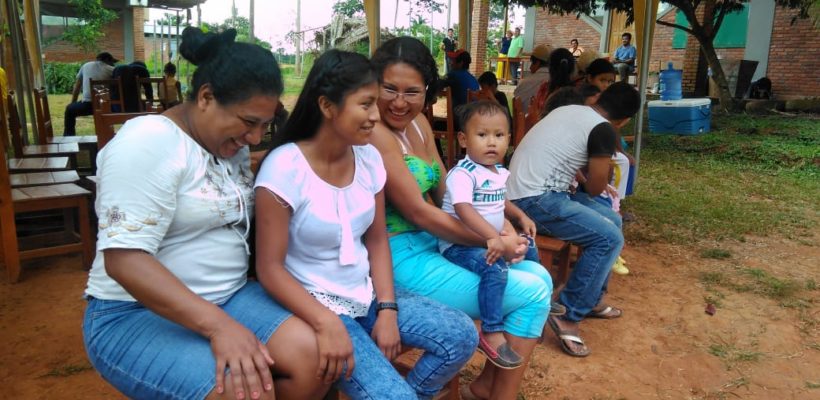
(298, 38)
(252, 18)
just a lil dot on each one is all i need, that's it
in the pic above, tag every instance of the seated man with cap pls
(539, 73)
(101, 68)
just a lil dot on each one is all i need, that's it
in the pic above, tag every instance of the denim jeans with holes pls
(579, 219)
(492, 283)
(447, 337)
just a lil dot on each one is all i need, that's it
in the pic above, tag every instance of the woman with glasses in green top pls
(414, 189)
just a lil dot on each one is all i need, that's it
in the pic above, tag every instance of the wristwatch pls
(386, 306)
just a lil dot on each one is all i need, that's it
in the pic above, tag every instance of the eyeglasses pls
(410, 97)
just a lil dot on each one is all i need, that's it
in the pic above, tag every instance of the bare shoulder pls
(384, 140)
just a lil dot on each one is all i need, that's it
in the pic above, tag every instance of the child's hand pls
(527, 226)
(495, 249)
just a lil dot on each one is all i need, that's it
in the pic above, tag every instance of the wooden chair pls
(43, 149)
(555, 253)
(66, 197)
(448, 135)
(46, 127)
(105, 120)
(519, 121)
(11, 129)
(153, 105)
(111, 85)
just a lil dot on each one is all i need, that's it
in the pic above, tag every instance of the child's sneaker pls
(620, 267)
(503, 357)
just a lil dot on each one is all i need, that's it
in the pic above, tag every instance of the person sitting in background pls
(459, 79)
(543, 167)
(561, 67)
(625, 57)
(575, 49)
(489, 88)
(170, 90)
(539, 73)
(129, 76)
(99, 69)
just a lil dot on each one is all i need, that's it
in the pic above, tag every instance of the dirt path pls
(665, 347)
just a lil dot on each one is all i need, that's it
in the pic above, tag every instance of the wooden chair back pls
(519, 121)
(104, 124)
(101, 101)
(154, 104)
(8, 229)
(41, 108)
(14, 126)
(446, 136)
(111, 85)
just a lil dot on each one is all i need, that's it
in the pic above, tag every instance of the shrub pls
(60, 77)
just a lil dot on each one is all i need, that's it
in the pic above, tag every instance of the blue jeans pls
(579, 219)
(72, 111)
(447, 336)
(492, 283)
(419, 267)
(146, 356)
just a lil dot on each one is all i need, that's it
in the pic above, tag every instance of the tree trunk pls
(727, 102)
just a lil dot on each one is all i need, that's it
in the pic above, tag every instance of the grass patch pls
(732, 355)
(717, 254)
(67, 370)
(757, 281)
(751, 175)
(812, 385)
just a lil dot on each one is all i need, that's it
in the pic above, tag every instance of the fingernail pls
(254, 395)
(268, 387)
(240, 395)
(220, 389)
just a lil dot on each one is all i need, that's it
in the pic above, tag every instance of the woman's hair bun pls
(198, 47)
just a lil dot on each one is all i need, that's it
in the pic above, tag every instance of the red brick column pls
(478, 36)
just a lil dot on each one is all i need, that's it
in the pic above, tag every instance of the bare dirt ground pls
(761, 343)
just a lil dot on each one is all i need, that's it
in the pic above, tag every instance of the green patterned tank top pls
(427, 177)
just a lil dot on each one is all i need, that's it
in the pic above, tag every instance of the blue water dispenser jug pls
(670, 83)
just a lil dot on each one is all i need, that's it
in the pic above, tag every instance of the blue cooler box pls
(682, 117)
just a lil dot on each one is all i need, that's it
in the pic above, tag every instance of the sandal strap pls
(571, 338)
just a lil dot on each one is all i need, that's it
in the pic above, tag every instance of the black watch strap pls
(387, 306)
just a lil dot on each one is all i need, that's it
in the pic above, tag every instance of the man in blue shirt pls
(624, 61)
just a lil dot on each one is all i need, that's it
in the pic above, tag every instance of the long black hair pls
(334, 75)
(234, 71)
(412, 52)
(562, 63)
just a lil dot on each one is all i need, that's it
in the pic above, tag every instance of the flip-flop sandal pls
(563, 337)
(557, 308)
(607, 312)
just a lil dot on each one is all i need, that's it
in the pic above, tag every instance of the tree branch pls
(724, 9)
(676, 26)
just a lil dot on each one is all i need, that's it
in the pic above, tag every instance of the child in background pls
(170, 91)
(476, 194)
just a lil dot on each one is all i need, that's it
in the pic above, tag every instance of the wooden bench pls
(555, 252)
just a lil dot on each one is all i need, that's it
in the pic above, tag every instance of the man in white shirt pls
(543, 167)
(101, 68)
(539, 73)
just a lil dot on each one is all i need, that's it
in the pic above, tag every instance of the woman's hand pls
(335, 349)
(515, 246)
(386, 333)
(237, 348)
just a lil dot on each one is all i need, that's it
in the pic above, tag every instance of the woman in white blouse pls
(322, 248)
(171, 314)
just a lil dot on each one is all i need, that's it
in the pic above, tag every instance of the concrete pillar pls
(759, 35)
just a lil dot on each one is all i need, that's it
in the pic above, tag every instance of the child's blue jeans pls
(493, 280)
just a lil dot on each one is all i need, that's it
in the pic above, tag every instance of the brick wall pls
(112, 42)
(557, 31)
(793, 56)
(478, 36)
